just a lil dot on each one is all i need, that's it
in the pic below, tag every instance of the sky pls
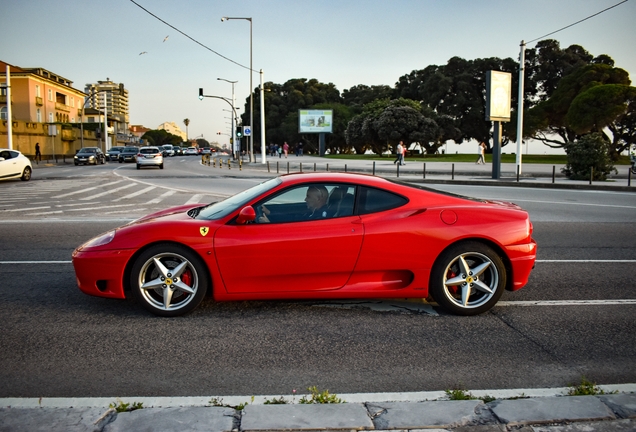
(344, 42)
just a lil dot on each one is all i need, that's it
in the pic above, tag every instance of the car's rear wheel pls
(468, 278)
(138, 166)
(169, 280)
(26, 174)
(161, 166)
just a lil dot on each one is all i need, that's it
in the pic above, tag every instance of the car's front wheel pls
(169, 280)
(468, 278)
(26, 174)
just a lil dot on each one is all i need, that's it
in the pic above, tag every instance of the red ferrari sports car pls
(316, 236)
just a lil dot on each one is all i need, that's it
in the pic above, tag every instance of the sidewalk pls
(527, 410)
(531, 175)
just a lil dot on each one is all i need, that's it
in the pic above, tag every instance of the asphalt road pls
(58, 342)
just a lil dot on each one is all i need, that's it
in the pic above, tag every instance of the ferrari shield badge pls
(204, 231)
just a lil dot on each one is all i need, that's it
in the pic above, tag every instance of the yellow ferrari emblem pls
(204, 231)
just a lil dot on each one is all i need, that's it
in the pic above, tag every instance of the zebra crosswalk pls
(91, 197)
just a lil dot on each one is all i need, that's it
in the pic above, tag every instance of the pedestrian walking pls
(399, 154)
(38, 155)
(285, 149)
(482, 152)
(403, 154)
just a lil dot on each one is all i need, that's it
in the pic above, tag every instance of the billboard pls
(498, 90)
(315, 121)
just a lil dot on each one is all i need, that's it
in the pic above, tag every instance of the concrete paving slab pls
(624, 405)
(305, 417)
(443, 414)
(195, 419)
(53, 419)
(627, 425)
(551, 409)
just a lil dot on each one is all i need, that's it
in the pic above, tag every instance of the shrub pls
(589, 152)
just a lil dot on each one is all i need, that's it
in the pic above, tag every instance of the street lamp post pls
(236, 151)
(252, 158)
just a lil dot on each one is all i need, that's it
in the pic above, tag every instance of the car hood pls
(173, 213)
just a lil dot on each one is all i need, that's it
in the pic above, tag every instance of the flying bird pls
(166, 38)
(143, 52)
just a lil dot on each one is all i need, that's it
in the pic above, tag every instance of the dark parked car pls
(113, 153)
(89, 156)
(178, 151)
(128, 154)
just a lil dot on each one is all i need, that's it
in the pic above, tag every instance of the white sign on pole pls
(247, 131)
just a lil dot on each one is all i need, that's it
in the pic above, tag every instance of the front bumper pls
(101, 273)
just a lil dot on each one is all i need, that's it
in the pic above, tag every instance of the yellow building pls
(40, 96)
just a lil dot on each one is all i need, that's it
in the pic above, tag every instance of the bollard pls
(591, 174)
(373, 167)
(518, 167)
(327, 167)
(229, 166)
(267, 166)
(240, 164)
(453, 173)
(398, 170)
(629, 177)
(553, 171)
(345, 167)
(287, 167)
(277, 168)
(314, 166)
(424, 170)
(301, 167)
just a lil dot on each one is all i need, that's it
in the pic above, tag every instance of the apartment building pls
(39, 96)
(116, 98)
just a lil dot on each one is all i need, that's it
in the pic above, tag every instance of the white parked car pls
(191, 151)
(149, 156)
(14, 164)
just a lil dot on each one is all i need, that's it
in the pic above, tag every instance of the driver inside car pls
(316, 200)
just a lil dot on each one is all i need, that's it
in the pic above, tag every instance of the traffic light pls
(239, 131)
(201, 93)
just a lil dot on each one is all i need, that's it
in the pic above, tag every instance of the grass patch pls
(218, 402)
(460, 394)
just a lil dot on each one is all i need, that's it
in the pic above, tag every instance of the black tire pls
(138, 166)
(76, 164)
(147, 280)
(161, 166)
(26, 174)
(468, 278)
(103, 161)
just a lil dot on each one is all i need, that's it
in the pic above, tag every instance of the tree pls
(549, 122)
(159, 137)
(186, 122)
(358, 96)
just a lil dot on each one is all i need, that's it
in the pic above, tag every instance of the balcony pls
(62, 107)
(3, 99)
(38, 101)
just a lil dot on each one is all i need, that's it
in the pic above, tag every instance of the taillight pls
(140, 155)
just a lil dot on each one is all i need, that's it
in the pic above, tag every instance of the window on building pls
(3, 113)
(38, 115)
(3, 91)
(37, 91)
(73, 102)
(50, 95)
(50, 117)
(60, 98)
(72, 119)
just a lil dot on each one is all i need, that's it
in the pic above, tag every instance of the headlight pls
(100, 241)
(75, 157)
(92, 157)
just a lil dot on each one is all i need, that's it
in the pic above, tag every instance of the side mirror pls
(247, 214)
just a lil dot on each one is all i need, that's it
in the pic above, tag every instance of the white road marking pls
(86, 190)
(586, 261)
(26, 209)
(161, 197)
(134, 194)
(195, 199)
(567, 302)
(108, 192)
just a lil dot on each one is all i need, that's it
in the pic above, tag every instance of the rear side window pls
(376, 200)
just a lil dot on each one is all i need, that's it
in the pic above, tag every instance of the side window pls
(307, 202)
(377, 200)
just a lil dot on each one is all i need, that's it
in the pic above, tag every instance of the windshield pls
(223, 208)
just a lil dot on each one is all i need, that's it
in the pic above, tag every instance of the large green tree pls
(159, 137)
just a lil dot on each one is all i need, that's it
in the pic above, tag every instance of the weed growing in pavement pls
(318, 397)
(586, 388)
(121, 406)
(218, 402)
(281, 400)
(460, 394)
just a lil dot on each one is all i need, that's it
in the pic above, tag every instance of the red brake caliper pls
(451, 274)
(186, 277)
